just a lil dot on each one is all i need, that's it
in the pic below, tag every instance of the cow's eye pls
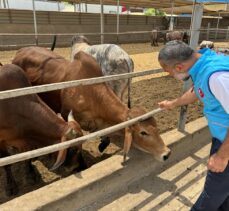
(143, 133)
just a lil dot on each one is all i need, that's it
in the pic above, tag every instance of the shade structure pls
(213, 1)
(208, 9)
(135, 3)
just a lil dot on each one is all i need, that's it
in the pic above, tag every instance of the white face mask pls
(181, 76)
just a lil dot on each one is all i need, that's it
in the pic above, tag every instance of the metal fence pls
(43, 88)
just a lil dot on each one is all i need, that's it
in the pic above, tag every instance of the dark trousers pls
(215, 196)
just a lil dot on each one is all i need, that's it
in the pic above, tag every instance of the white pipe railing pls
(56, 147)
(67, 84)
(106, 33)
(50, 87)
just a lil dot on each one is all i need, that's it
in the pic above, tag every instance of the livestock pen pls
(146, 91)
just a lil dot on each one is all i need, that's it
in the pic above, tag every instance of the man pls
(209, 72)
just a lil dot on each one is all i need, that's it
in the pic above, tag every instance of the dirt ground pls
(147, 93)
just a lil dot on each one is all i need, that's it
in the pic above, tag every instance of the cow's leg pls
(11, 187)
(105, 141)
(153, 43)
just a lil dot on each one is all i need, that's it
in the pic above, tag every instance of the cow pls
(211, 45)
(27, 123)
(177, 35)
(111, 58)
(156, 35)
(95, 106)
(207, 44)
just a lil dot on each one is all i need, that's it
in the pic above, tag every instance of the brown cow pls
(177, 35)
(26, 123)
(94, 106)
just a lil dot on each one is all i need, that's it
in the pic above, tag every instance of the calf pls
(94, 106)
(26, 123)
(111, 58)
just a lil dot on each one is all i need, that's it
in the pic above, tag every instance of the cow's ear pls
(127, 142)
(76, 56)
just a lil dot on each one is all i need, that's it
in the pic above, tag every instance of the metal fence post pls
(227, 33)
(35, 22)
(208, 30)
(101, 22)
(195, 32)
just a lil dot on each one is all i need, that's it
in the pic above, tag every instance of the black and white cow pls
(111, 58)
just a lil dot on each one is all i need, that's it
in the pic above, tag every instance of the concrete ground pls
(139, 184)
(175, 187)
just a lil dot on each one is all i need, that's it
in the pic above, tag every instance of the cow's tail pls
(54, 42)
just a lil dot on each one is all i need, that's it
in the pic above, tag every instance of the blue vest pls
(206, 65)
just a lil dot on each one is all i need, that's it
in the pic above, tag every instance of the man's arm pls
(187, 98)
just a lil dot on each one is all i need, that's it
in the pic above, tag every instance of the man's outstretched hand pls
(167, 104)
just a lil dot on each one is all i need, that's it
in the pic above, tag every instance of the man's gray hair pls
(175, 52)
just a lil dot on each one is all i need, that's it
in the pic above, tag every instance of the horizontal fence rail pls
(68, 84)
(106, 33)
(56, 147)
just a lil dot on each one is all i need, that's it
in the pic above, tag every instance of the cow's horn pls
(61, 156)
(60, 159)
(70, 116)
(127, 142)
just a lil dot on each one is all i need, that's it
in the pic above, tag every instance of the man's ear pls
(179, 67)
